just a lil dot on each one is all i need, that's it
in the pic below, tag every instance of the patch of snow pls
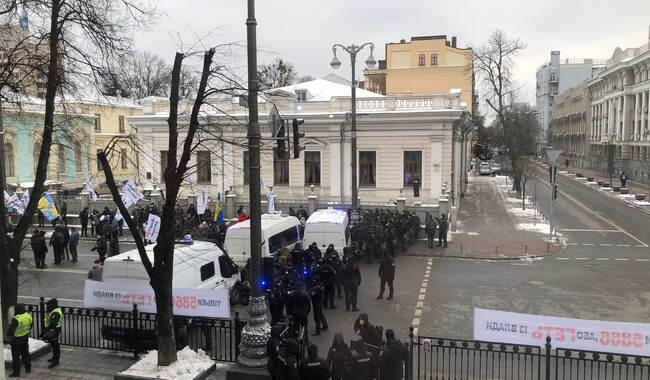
(592, 183)
(534, 227)
(607, 189)
(189, 365)
(473, 233)
(642, 203)
(34, 345)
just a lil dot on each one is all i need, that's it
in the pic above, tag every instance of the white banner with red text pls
(581, 334)
(213, 303)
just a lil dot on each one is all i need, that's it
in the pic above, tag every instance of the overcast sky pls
(303, 31)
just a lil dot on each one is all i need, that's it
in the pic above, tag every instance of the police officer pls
(328, 276)
(300, 306)
(276, 302)
(442, 230)
(314, 367)
(430, 230)
(19, 328)
(387, 275)
(363, 365)
(338, 267)
(287, 361)
(351, 282)
(297, 257)
(317, 305)
(53, 322)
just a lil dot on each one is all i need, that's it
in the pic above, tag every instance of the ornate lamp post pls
(370, 63)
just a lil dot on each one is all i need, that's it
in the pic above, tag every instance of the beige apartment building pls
(571, 117)
(423, 66)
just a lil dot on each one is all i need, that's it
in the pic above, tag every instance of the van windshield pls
(283, 239)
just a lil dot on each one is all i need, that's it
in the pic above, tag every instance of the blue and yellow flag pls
(218, 213)
(47, 207)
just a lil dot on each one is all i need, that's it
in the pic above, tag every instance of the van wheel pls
(236, 294)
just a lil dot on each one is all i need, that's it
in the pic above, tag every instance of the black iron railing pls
(135, 331)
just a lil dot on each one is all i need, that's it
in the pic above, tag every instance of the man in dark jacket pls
(19, 329)
(317, 306)
(370, 334)
(338, 267)
(338, 358)
(287, 361)
(328, 276)
(53, 323)
(57, 242)
(351, 282)
(392, 358)
(314, 367)
(443, 223)
(363, 365)
(83, 219)
(387, 275)
(273, 346)
(276, 302)
(74, 242)
(300, 306)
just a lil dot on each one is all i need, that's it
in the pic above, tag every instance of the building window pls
(123, 158)
(312, 168)
(9, 160)
(121, 121)
(36, 153)
(367, 168)
(280, 169)
(163, 165)
(421, 59)
(204, 167)
(78, 160)
(434, 59)
(99, 164)
(412, 168)
(98, 122)
(247, 167)
(301, 95)
(61, 159)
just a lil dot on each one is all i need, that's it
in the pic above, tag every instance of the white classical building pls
(399, 140)
(620, 97)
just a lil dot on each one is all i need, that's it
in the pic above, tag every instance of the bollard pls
(526, 249)
(496, 250)
(548, 247)
(135, 337)
(461, 249)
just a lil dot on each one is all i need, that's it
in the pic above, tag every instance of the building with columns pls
(620, 97)
(399, 140)
(570, 121)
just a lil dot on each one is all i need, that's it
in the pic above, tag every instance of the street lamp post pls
(370, 63)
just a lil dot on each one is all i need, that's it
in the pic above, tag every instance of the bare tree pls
(494, 64)
(278, 73)
(78, 37)
(527, 170)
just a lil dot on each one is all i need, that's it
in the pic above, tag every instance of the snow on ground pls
(525, 219)
(189, 365)
(642, 203)
(34, 345)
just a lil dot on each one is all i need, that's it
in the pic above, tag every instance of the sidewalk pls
(492, 226)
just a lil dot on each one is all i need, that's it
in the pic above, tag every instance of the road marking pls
(641, 246)
(584, 230)
(415, 331)
(418, 312)
(57, 270)
(621, 259)
(605, 245)
(421, 297)
(623, 245)
(645, 260)
(564, 258)
(420, 304)
(582, 258)
(589, 244)
(602, 258)
(571, 243)
(423, 290)
(426, 276)
(416, 322)
(60, 299)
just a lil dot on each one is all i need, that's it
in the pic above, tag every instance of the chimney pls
(402, 41)
(453, 41)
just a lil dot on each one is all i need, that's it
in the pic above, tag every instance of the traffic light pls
(555, 191)
(296, 138)
(552, 171)
(282, 145)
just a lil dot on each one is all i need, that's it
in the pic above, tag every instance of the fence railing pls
(136, 332)
(445, 358)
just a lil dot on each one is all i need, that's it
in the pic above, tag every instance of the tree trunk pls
(523, 195)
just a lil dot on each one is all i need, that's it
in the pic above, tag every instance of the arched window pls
(10, 159)
(61, 160)
(36, 152)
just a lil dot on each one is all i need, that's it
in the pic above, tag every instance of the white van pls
(278, 232)
(200, 265)
(327, 227)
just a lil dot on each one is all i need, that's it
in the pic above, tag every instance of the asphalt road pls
(600, 275)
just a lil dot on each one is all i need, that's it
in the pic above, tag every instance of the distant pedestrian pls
(41, 218)
(53, 322)
(57, 242)
(83, 219)
(64, 212)
(386, 276)
(95, 273)
(302, 213)
(19, 328)
(74, 242)
(66, 237)
(317, 294)
(623, 179)
(240, 210)
(443, 223)
(101, 247)
(351, 283)
(299, 307)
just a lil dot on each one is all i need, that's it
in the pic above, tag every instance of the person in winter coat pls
(83, 219)
(74, 242)
(316, 293)
(57, 242)
(328, 276)
(36, 249)
(363, 365)
(351, 283)
(300, 306)
(288, 361)
(314, 367)
(66, 235)
(19, 329)
(53, 322)
(272, 349)
(443, 222)
(387, 275)
(392, 358)
(368, 332)
(338, 358)
(101, 247)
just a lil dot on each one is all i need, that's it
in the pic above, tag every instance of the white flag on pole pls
(153, 228)
(89, 188)
(25, 199)
(271, 200)
(201, 202)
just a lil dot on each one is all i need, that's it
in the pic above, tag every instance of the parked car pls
(495, 168)
(484, 168)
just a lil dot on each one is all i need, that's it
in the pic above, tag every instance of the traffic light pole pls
(550, 232)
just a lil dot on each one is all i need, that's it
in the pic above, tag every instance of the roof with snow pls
(322, 90)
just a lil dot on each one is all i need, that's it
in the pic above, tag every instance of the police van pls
(278, 232)
(325, 227)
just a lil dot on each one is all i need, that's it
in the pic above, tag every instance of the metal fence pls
(135, 331)
(444, 358)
